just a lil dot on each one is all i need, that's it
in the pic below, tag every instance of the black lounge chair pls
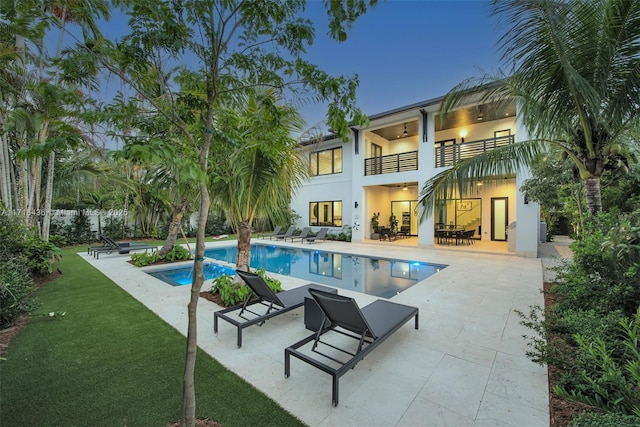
(303, 235)
(284, 235)
(370, 326)
(122, 248)
(106, 245)
(275, 232)
(275, 304)
(322, 235)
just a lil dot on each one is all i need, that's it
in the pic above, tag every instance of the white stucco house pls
(384, 165)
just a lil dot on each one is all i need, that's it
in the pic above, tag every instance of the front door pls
(499, 218)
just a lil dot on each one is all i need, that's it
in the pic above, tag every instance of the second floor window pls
(326, 162)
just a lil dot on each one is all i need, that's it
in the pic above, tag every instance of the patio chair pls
(122, 247)
(303, 235)
(261, 293)
(275, 232)
(322, 235)
(369, 326)
(284, 235)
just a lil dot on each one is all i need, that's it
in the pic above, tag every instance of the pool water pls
(381, 277)
(178, 276)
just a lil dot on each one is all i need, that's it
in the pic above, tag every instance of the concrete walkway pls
(465, 366)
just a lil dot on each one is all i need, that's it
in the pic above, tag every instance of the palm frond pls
(460, 178)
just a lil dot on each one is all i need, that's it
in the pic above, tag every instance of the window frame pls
(332, 222)
(316, 156)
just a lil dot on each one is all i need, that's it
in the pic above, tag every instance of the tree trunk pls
(5, 175)
(244, 246)
(174, 228)
(48, 195)
(593, 195)
(188, 412)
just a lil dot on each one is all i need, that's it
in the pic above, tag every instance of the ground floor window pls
(327, 213)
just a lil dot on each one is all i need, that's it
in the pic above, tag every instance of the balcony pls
(448, 155)
(392, 163)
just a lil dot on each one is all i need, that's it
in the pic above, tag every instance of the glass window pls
(325, 214)
(326, 162)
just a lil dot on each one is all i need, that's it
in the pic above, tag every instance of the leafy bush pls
(58, 240)
(20, 241)
(178, 253)
(117, 228)
(594, 294)
(591, 419)
(236, 293)
(15, 288)
(230, 293)
(612, 384)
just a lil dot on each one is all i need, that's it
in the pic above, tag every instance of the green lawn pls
(112, 362)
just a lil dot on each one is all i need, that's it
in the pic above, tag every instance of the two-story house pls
(384, 165)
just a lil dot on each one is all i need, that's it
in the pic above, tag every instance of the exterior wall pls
(374, 193)
(327, 187)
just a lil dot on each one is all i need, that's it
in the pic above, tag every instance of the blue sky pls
(406, 51)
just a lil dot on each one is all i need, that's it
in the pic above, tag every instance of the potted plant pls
(375, 226)
(393, 223)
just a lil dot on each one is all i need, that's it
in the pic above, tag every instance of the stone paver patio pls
(465, 366)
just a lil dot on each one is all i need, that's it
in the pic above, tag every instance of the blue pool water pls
(374, 276)
(184, 275)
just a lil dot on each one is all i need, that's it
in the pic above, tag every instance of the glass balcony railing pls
(392, 163)
(449, 155)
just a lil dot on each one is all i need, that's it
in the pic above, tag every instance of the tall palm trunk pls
(244, 246)
(5, 173)
(593, 195)
(48, 195)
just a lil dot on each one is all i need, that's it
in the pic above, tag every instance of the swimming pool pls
(381, 277)
(178, 276)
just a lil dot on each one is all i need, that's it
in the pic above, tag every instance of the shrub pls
(230, 293)
(15, 288)
(19, 241)
(612, 384)
(235, 293)
(178, 253)
(592, 419)
(58, 240)
(595, 293)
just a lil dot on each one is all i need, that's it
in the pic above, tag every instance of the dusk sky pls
(404, 51)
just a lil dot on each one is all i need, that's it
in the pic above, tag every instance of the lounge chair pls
(369, 326)
(106, 245)
(275, 232)
(286, 234)
(122, 247)
(275, 304)
(303, 235)
(322, 235)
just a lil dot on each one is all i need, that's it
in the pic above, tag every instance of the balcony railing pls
(449, 155)
(392, 163)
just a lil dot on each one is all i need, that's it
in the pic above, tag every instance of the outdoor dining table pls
(451, 234)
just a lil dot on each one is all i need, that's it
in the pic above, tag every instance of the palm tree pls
(576, 78)
(256, 167)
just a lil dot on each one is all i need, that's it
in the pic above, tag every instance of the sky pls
(404, 51)
(407, 51)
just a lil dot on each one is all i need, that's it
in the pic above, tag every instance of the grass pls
(112, 362)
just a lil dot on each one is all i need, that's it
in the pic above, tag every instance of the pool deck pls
(464, 366)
